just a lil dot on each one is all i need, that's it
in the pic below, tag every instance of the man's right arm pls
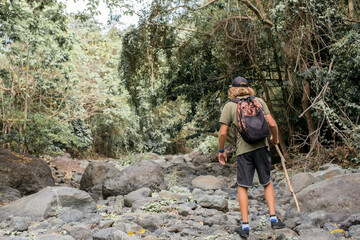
(273, 129)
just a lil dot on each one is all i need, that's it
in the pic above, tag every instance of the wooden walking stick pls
(287, 176)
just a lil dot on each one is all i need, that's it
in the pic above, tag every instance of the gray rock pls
(209, 201)
(219, 218)
(141, 174)
(120, 235)
(330, 172)
(301, 180)
(24, 172)
(201, 160)
(140, 203)
(64, 163)
(197, 192)
(316, 234)
(340, 192)
(106, 223)
(284, 234)
(56, 237)
(207, 182)
(49, 202)
(92, 218)
(303, 228)
(116, 204)
(170, 195)
(78, 231)
(149, 222)
(96, 192)
(330, 227)
(151, 237)
(191, 205)
(73, 215)
(354, 231)
(8, 194)
(178, 160)
(352, 220)
(96, 173)
(104, 234)
(184, 210)
(19, 223)
(138, 194)
(221, 193)
(14, 238)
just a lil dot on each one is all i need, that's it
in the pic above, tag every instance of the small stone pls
(285, 233)
(104, 234)
(352, 220)
(354, 231)
(19, 224)
(106, 223)
(207, 182)
(316, 234)
(120, 235)
(139, 194)
(151, 237)
(184, 210)
(191, 205)
(72, 216)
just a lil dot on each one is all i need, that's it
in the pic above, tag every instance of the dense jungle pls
(70, 84)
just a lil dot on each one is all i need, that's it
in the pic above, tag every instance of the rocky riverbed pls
(187, 196)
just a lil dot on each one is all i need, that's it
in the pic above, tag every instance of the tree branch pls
(258, 13)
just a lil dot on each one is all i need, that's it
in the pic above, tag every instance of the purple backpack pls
(251, 121)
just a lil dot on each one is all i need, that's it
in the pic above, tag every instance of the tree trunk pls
(285, 93)
(351, 9)
(305, 103)
(27, 85)
(269, 103)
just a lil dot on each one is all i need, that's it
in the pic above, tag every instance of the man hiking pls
(251, 154)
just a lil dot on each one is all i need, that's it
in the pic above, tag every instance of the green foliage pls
(131, 158)
(159, 86)
(157, 206)
(172, 179)
(209, 144)
(45, 135)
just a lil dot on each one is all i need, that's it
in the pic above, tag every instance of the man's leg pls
(270, 198)
(243, 202)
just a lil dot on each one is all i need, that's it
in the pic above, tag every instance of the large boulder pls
(8, 194)
(48, 202)
(207, 182)
(340, 192)
(330, 170)
(24, 172)
(66, 164)
(142, 174)
(301, 180)
(96, 173)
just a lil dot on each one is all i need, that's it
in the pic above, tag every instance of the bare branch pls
(322, 92)
(207, 4)
(257, 12)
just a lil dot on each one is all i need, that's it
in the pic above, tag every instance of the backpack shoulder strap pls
(235, 100)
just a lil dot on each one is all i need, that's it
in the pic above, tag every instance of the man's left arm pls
(222, 139)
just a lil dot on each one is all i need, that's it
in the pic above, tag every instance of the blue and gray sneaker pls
(242, 232)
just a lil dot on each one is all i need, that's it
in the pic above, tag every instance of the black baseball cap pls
(239, 82)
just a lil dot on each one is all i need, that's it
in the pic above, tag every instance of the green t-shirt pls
(229, 116)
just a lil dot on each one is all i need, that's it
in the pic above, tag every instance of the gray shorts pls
(247, 163)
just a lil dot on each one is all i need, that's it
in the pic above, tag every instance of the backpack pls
(251, 121)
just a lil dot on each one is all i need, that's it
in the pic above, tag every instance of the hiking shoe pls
(277, 225)
(242, 232)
